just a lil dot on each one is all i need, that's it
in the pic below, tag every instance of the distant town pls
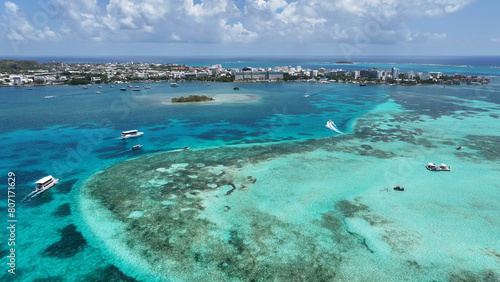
(30, 73)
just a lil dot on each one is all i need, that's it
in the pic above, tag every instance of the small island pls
(192, 98)
(344, 63)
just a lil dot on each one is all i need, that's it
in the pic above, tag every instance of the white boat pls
(434, 167)
(45, 183)
(130, 134)
(98, 92)
(173, 84)
(330, 125)
(41, 186)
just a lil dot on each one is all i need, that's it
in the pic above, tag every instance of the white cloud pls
(211, 21)
(17, 27)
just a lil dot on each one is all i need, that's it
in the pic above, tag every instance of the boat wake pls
(330, 125)
(178, 150)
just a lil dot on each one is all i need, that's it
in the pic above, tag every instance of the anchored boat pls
(434, 167)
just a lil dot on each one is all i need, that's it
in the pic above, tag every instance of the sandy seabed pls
(316, 210)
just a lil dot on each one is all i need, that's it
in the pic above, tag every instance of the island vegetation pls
(192, 98)
(344, 63)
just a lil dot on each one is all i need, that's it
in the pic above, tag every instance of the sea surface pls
(266, 191)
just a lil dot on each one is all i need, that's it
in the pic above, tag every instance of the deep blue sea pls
(72, 133)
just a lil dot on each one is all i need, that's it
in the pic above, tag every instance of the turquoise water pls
(302, 191)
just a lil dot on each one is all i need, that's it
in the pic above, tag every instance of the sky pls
(302, 28)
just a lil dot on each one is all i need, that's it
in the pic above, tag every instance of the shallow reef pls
(70, 243)
(194, 214)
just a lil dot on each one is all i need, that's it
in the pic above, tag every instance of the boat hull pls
(132, 135)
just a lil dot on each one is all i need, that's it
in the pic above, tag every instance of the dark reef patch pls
(366, 147)
(109, 273)
(63, 210)
(488, 146)
(49, 278)
(158, 128)
(71, 242)
(469, 276)
(350, 209)
(66, 186)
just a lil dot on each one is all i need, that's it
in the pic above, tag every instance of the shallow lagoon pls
(266, 192)
(321, 209)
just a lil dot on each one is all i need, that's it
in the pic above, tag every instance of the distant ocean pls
(480, 65)
(266, 192)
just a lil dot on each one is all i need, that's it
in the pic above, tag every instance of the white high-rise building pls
(395, 73)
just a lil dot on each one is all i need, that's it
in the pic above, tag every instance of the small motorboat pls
(98, 92)
(136, 147)
(236, 88)
(186, 148)
(123, 89)
(459, 148)
(399, 188)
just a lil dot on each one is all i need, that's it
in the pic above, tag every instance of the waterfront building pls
(370, 73)
(17, 80)
(257, 75)
(395, 73)
(435, 74)
(423, 76)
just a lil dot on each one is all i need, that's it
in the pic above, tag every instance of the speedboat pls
(136, 147)
(173, 84)
(434, 167)
(123, 89)
(98, 92)
(45, 183)
(130, 134)
(186, 148)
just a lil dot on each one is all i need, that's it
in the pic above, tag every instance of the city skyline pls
(248, 28)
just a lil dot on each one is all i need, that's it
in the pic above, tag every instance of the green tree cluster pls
(192, 98)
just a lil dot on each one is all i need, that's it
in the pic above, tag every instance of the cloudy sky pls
(249, 27)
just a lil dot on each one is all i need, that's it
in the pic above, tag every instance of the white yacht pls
(434, 167)
(173, 84)
(45, 183)
(131, 133)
